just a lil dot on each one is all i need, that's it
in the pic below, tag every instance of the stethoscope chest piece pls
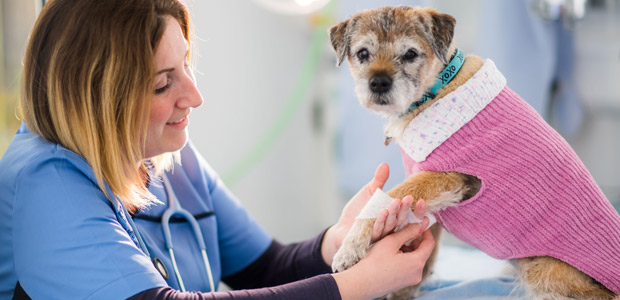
(159, 265)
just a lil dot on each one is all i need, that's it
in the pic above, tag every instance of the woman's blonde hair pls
(88, 81)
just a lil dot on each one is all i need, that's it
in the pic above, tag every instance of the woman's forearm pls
(281, 264)
(318, 287)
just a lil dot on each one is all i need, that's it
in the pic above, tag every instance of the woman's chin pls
(167, 146)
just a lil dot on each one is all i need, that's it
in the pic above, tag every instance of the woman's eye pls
(363, 54)
(410, 55)
(163, 88)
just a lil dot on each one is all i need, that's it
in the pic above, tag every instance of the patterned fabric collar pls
(438, 122)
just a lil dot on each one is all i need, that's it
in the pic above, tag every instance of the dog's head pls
(395, 54)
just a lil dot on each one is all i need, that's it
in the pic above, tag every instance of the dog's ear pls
(442, 34)
(340, 38)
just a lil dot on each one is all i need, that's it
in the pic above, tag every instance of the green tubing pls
(292, 107)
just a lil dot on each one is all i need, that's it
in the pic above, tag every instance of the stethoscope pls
(174, 209)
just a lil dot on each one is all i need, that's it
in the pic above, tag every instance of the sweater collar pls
(435, 124)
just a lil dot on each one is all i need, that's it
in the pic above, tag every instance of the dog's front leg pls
(440, 190)
(354, 246)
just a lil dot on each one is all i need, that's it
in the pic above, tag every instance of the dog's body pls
(395, 54)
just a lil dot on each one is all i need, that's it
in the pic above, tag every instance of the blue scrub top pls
(61, 238)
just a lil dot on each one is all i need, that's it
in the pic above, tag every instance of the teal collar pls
(442, 79)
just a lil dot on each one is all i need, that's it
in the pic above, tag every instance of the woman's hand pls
(387, 267)
(386, 221)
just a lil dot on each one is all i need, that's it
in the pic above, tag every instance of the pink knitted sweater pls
(536, 199)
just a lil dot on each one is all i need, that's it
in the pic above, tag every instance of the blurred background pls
(281, 124)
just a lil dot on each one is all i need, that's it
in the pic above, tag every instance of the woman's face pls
(175, 93)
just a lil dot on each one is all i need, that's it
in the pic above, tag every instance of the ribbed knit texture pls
(537, 198)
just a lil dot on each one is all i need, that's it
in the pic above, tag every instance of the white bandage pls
(380, 201)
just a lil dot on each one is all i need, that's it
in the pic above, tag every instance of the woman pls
(107, 91)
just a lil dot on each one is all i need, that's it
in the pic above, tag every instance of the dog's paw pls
(347, 256)
(354, 246)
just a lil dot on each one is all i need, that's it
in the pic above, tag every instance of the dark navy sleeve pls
(318, 287)
(282, 264)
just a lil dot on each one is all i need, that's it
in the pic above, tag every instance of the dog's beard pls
(392, 103)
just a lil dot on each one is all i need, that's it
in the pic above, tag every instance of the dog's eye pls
(410, 55)
(363, 54)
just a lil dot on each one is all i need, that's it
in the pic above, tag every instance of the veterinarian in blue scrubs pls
(59, 209)
(107, 94)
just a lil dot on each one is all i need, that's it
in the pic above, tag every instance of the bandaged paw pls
(380, 201)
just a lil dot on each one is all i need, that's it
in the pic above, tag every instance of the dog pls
(491, 170)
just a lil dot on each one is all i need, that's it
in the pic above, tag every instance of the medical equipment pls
(175, 209)
(569, 11)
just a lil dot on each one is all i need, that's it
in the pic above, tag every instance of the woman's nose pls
(191, 94)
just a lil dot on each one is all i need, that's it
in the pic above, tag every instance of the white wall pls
(249, 61)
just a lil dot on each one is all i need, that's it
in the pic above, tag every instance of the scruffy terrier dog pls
(492, 171)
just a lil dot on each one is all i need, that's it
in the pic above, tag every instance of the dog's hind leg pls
(552, 279)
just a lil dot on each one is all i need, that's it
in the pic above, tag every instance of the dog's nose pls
(380, 83)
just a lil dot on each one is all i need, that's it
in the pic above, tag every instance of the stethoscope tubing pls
(175, 209)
